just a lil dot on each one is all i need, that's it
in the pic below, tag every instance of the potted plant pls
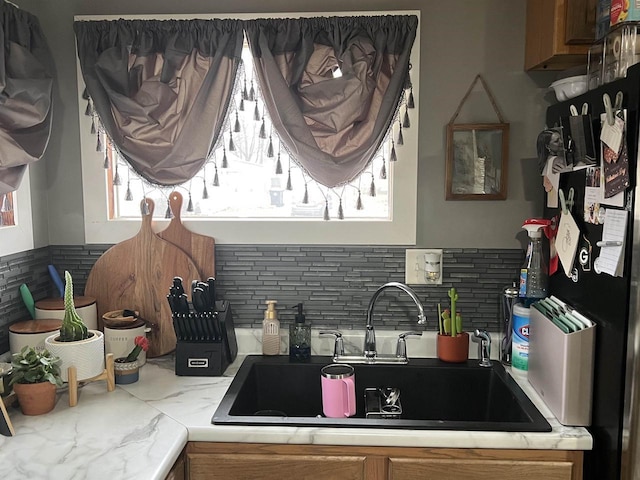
(453, 343)
(35, 375)
(75, 344)
(127, 368)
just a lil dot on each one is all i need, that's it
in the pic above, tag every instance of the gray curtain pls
(161, 89)
(26, 82)
(332, 125)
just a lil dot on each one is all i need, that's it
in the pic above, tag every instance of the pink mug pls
(338, 391)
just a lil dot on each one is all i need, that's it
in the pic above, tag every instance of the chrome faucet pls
(369, 350)
(483, 339)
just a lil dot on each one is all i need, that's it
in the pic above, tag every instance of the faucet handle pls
(401, 347)
(338, 346)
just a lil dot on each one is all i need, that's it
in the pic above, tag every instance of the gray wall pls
(459, 38)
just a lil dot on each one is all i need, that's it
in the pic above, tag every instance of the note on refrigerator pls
(611, 259)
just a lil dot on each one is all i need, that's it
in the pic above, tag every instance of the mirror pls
(477, 158)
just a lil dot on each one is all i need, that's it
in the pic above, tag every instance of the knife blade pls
(211, 281)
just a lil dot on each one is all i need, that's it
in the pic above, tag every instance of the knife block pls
(202, 358)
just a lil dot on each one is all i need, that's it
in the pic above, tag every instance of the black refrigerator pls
(612, 302)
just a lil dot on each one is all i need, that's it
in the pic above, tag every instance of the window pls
(262, 209)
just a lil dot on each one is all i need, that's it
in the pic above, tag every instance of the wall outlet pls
(416, 270)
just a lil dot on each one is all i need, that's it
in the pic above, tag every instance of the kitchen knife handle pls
(56, 280)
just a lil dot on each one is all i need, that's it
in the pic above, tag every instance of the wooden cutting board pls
(200, 248)
(136, 274)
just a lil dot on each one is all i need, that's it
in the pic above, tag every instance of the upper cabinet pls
(559, 33)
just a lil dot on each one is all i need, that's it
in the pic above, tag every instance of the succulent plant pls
(73, 328)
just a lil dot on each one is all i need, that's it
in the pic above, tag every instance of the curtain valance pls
(332, 86)
(26, 82)
(161, 89)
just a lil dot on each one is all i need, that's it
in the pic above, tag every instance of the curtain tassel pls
(216, 180)
(190, 204)
(372, 188)
(359, 205)
(106, 161)
(289, 186)
(278, 166)
(410, 102)
(241, 107)
(263, 130)
(245, 92)
(225, 163)
(236, 127)
(326, 210)
(93, 126)
(400, 137)
(256, 113)
(116, 177)
(383, 170)
(128, 196)
(205, 192)
(168, 213)
(340, 210)
(85, 94)
(270, 152)
(305, 199)
(232, 146)
(98, 143)
(406, 123)
(87, 111)
(393, 157)
(252, 92)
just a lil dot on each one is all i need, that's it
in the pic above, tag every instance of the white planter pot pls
(86, 355)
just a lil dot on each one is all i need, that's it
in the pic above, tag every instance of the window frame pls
(400, 229)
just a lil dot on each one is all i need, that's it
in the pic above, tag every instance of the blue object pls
(56, 280)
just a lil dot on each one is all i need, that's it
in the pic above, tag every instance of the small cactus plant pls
(450, 321)
(73, 328)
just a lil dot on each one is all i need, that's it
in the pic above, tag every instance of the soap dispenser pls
(271, 330)
(299, 338)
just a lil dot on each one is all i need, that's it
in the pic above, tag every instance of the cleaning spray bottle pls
(534, 277)
(271, 330)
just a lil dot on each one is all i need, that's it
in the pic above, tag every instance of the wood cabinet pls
(559, 33)
(178, 470)
(234, 461)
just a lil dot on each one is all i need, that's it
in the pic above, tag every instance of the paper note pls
(567, 241)
(611, 259)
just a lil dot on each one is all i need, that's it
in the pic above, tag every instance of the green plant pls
(33, 366)
(73, 328)
(450, 321)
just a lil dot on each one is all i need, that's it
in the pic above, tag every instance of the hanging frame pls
(477, 156)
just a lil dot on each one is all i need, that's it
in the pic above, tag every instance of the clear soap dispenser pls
(271, 330)
(299, 338)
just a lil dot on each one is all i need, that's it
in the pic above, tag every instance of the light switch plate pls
(415, 266)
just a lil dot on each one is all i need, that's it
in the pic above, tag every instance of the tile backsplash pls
(335, 283)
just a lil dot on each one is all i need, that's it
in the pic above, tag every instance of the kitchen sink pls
(434, 395)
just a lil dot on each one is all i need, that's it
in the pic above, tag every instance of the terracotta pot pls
(453, 349)
(35, 398)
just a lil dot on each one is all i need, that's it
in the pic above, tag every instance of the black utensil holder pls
(197, 353)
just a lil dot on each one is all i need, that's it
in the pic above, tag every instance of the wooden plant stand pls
(108, 375)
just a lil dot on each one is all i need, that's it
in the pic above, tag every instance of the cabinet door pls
(460, 469)
(581, 21)
(202, 466)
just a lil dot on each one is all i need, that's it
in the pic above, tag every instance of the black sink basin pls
(434, 395)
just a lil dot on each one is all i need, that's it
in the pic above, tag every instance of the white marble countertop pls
(139, 430)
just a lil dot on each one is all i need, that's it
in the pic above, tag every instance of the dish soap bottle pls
(533, 274)
(299, 338)
(271, 330)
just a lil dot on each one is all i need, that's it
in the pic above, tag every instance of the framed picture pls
(477, 160)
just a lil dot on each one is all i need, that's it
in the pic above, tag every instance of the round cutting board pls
(136, 274)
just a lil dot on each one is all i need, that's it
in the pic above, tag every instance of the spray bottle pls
(534, 277)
